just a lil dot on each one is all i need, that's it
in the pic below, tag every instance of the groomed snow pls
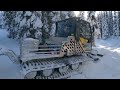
(107, 68)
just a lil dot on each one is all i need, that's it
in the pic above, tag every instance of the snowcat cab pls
(76, 27)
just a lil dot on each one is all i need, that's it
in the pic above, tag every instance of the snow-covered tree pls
(110, 23)
(93, 22)
(71, 14)
(81, 15)
(99, 21)
(92, 19)
(115, 25)
(105, 29)
(119, 21)
(107, 24)
(22, 24)
(10, 23)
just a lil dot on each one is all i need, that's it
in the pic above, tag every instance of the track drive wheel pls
(47, 72)
(75, 66)
(31, 75)
(63, 69)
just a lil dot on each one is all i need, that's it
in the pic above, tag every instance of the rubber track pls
(39, 65)
(57, 75)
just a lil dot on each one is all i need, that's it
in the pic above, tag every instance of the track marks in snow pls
(109, 65)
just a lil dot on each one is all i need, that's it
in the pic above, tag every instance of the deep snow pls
(107, 68)
(8, 70)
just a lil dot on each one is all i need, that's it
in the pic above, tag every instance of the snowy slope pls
(8, 70)
(107, 68)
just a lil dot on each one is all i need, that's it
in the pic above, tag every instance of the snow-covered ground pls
(8, 70)
(109, 65)
(107, 68)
